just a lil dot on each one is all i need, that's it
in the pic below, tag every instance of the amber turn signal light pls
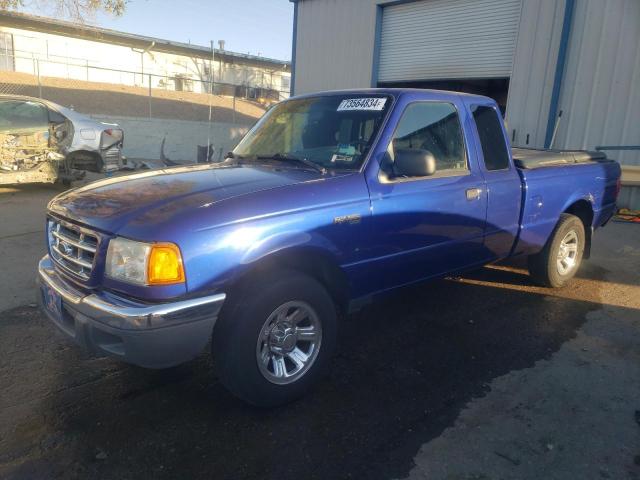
(165, 265)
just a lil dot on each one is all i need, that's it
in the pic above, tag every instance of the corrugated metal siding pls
(600, 96)
(629, 198)
(334, 47)
(533, 71)
(448, 39)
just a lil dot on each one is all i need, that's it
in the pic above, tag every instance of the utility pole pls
(211, 64)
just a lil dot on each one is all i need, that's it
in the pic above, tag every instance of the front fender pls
(281, 241)
(214, 258)
(299, 217)
(221, 261)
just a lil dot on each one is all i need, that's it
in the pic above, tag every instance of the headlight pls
(144, 263)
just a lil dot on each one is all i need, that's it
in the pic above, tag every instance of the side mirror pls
(414, 162)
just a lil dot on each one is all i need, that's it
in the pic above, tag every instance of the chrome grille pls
(72, 247)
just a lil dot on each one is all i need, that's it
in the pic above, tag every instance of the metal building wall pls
(600, 96)
(533, 72)
(601, 90)
(334, 44)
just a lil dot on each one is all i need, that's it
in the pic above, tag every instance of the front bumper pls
(152, 336)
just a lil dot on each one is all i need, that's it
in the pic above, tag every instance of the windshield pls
(333, 132)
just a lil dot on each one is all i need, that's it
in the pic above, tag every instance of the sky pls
(258, 27)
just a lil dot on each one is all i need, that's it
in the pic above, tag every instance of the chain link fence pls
(163, 116)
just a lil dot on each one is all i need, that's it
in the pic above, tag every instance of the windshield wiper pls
(290, 158)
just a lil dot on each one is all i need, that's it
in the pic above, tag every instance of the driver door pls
(426, 226)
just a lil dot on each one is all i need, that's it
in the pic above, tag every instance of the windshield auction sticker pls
(362, 104)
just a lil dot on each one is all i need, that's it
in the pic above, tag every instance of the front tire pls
(275, 338)
(560, 259)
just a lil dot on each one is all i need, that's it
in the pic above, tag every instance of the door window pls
(494, 147)
(429, 128)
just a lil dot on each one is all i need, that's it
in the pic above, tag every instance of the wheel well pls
(318, 265)
(584, 211)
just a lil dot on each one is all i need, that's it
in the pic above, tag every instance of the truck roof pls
(396, 92)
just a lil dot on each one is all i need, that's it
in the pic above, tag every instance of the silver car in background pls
(41, 141)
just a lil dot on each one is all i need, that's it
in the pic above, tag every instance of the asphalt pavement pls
(483, 376)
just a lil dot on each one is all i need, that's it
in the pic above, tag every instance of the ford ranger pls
(329, 200)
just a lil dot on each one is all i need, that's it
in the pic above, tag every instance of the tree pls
(77, 10)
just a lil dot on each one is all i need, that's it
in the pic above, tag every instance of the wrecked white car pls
(42, 142)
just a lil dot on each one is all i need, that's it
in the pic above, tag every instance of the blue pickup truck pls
(329, 200)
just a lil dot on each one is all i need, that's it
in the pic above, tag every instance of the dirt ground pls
(473, 378)
(128, 101)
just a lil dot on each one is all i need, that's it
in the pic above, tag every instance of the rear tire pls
(274, 338)
(560, 258)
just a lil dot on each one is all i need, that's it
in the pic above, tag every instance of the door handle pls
(473, 193)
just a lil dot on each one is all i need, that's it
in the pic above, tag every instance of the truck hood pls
(162, 195)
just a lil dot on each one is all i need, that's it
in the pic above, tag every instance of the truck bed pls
(530, 158)
(554, 181)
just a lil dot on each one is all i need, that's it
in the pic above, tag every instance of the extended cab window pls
(426, 130)
(494, 147)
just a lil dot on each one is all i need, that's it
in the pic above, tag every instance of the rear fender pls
(541, 218)
(583, 208)
(578, 199)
